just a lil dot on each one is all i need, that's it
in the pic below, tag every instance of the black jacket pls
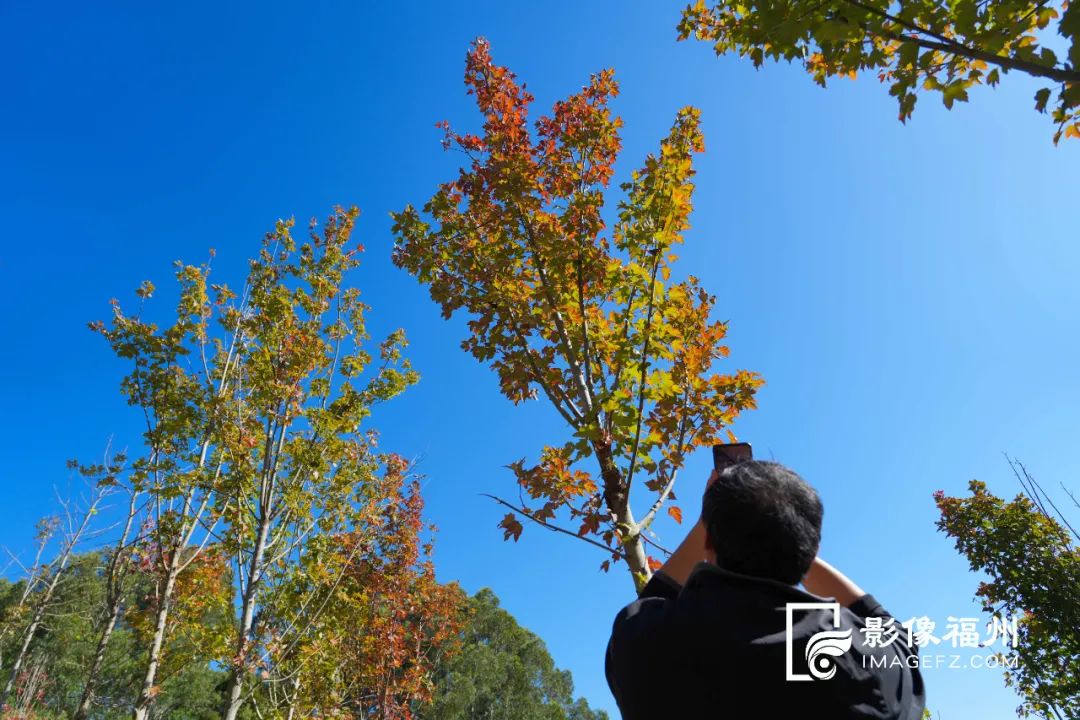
(717, 648)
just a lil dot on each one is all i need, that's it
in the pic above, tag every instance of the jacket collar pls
(706, 576)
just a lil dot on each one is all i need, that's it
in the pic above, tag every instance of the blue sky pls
(908, 292)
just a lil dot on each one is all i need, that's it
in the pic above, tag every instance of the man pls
(707, 637)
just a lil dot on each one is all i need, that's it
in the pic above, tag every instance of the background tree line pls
(495, 669)
(261, 556)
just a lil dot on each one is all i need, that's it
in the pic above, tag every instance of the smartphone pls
(730, 454)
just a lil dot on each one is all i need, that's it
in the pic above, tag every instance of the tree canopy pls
(941, 46)
(503, 672)
(589, 317)
(1031, 555)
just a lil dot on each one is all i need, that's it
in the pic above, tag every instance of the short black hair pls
(763, 520)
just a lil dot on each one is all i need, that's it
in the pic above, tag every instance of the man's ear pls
(710, 552)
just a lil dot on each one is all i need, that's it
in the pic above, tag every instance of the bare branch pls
(553, 528)
(651, 514)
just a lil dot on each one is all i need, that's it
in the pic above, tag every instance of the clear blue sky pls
(909, 293)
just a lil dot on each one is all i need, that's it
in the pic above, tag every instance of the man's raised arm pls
(691, 550)
(823, 580)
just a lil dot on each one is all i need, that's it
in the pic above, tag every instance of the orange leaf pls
(511, 527)
(676, 513)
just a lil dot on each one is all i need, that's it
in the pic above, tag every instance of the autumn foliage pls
(586, 314)
(945, 47)
(276, 534)
(386, 621)
(200, 607)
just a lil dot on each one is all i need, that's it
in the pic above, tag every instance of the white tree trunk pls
(148, 690)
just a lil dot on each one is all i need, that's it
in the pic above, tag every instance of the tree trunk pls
(617, 498)
(92, 677)
(295, 699)
(24, 649)
(31, 582)
(147, 693)
(115, 597)
(247, 615)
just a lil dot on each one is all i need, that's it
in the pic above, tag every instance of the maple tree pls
(256, 409)
(1031, 554)
(200, 615)
(593, 322)
(378, 622)
(942, 46)
(298, 457)
(178, 474)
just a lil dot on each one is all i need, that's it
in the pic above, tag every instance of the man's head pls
(762, 520)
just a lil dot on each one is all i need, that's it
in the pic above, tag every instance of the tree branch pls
(644, 369)
(655, 544)
(651, 515)
(570, 412)
(946, 44)
(564, 339)
(553, 528)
